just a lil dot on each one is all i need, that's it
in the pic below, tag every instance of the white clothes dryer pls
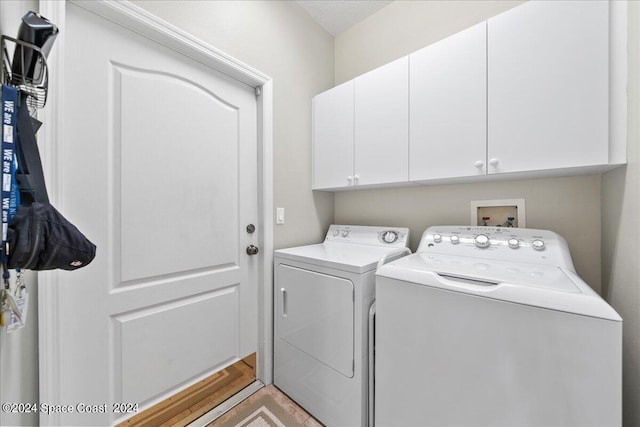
(322, 297)
(487, 326)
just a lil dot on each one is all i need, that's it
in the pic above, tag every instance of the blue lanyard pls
(9, 113)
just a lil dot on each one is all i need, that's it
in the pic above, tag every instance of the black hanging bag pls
(39, 237)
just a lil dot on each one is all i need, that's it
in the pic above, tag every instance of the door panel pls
(180, 152)
(159, 169)
(145, 350)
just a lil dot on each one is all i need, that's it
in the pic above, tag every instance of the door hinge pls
(258, 91)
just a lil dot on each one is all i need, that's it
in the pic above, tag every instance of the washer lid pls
(354, 258)
(538, 285)
(492, 272)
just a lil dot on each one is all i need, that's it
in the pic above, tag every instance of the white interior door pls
(159, 169)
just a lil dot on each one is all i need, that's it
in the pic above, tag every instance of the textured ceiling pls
(337, 16)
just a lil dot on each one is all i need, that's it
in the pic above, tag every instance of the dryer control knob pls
(437, 238)
(537, 244)
(513, 243)
(389, 236)
(455, 239)
(345, 233)
(482, 241)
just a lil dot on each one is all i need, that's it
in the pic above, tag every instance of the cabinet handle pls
(479, 164)
(350, 179)
(494, 162)
(356, 178)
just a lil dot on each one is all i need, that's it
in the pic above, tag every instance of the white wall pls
(19, 351)
(621, 234)
(568, 206)
(281, 40)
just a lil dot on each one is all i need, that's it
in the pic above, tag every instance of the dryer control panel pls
(510, 244)
(368, 235)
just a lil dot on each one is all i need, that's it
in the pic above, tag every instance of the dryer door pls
(315, 315)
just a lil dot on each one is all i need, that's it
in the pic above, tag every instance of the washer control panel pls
(367, 235)
(514, 244)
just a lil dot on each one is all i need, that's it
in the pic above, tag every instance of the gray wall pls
(565, 205)
(621, 234)
(19, 350)
(281, 40)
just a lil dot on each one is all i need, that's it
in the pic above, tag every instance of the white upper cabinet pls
(539, 90)
(333, 137)
(548, 86)
(382, 124)
(448, 107)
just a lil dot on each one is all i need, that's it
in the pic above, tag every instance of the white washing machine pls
(322, 295)
(488, 326)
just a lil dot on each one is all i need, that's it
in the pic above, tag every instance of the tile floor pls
(301, 417)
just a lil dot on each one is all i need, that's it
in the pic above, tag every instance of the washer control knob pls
(455, 239)
(482, 241)
(336, 232)
(437, 238)
(389, 236)
(513, 243)
(537, 244)
(345, 233)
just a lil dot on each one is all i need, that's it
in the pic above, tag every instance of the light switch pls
(279, 215)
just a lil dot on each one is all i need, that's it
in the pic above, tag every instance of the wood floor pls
(193, 402)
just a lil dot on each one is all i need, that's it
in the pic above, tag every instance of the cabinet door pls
(333, 137)
(382, 124)
(448, 107)
(548, 86)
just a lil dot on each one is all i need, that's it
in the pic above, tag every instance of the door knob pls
(252, 250)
